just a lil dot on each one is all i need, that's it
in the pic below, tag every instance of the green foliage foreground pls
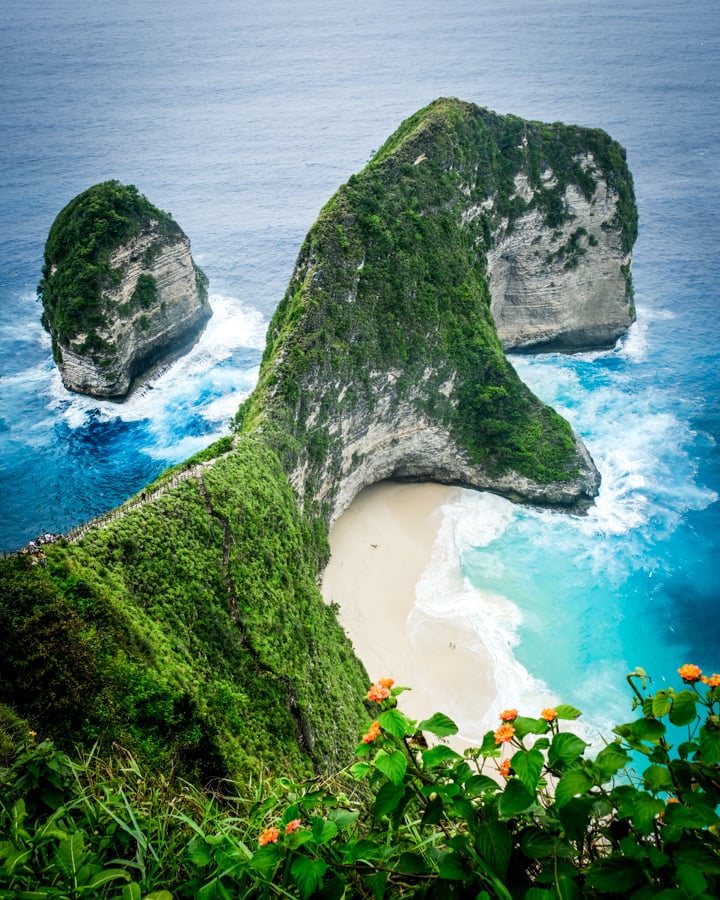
(525, 815)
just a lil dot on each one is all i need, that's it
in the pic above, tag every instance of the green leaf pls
(392, 764)
(387, 799)
(709, 746)
(524, 725)
(266, 857)
(690, 880)
(646, 809)
(567, 712)
(363, 849)
(611, 759)
(516, 798)
(454, 868)
(343, 818)
(439, 724)
(199, 852)
(566, 748)
(658, 778)
(479, 785)
(489, 748)
(615, 875)
(690, 816)
(71, 854)
(360, 769)
(493, 842)
(537, 844)
(323, 830)
(395, 723)
(575, 817)
(698, 855)
(684, 710)
(159, 895)
(528, 765)
(308, 874)
(131, 892)
(411, 864)
(647, 730)
(101, 878)
(573, 783)
(661, 704)
(439, 754)
(433, 811)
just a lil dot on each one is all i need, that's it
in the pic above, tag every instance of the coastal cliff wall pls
(120, 290)
(384, 359)
(564, 288)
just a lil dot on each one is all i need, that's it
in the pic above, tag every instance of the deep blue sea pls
(241, 120)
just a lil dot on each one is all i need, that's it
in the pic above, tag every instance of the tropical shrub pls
(526, 815)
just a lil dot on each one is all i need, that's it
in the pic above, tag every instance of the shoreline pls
(380, 548)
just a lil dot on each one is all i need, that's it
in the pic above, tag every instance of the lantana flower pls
(379, 691)
(504, 768)
(386, 682)
(508, 715)
(713, 681)
(269, 836)
(549, 714)
(690, 673)
(372, 732)
(292, 826)
(503, 734)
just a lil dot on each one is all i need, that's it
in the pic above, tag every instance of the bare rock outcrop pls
(565, 288)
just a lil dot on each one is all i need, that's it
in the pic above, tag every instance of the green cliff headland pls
(190, 628)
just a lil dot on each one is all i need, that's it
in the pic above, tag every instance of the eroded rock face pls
(141, 333)
(565, 288)
(120, 290)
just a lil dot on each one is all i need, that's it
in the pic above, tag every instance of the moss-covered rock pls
(120, 290)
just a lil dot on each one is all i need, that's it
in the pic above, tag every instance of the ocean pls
(242, 120)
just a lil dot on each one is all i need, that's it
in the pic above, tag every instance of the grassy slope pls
(190, 629)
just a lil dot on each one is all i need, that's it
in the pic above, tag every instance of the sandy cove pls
(380, 548)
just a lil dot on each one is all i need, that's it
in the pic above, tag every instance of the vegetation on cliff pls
(390, 294)
(77, 272)
(190, 630)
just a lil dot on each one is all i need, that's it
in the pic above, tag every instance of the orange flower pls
(508, 715)
(378, 692)
(549, 714)
(505, 768)
(690, 673)
(372, 732)
(269, 836)
(504, 734)
(386, 682)
(713, 681)
(292, 826)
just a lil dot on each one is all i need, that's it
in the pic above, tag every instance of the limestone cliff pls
(383, 359)
(120, 290)
(567, 287)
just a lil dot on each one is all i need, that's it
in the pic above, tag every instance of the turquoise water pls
(242, 121)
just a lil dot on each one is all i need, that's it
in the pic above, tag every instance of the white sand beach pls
(380, 548)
